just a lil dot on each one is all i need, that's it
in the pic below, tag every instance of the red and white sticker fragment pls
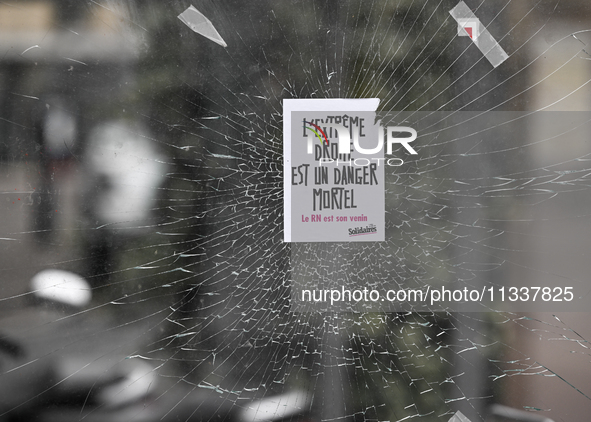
(197, 21)
(470, 26)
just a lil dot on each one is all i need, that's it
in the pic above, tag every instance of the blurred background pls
(147, 158)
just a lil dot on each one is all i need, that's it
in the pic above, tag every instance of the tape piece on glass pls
(470, 26)
(459, 417)
(197, 21)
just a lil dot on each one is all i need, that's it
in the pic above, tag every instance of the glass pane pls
(169, 251)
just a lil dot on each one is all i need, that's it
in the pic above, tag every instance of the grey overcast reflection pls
(144, 273)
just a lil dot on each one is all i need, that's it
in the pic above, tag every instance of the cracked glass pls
(146, 271)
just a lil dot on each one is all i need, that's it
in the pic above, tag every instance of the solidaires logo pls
(359, 231)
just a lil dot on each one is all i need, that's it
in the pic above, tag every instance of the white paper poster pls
(333, 171)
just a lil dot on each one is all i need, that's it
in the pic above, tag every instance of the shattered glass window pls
(144, 269)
